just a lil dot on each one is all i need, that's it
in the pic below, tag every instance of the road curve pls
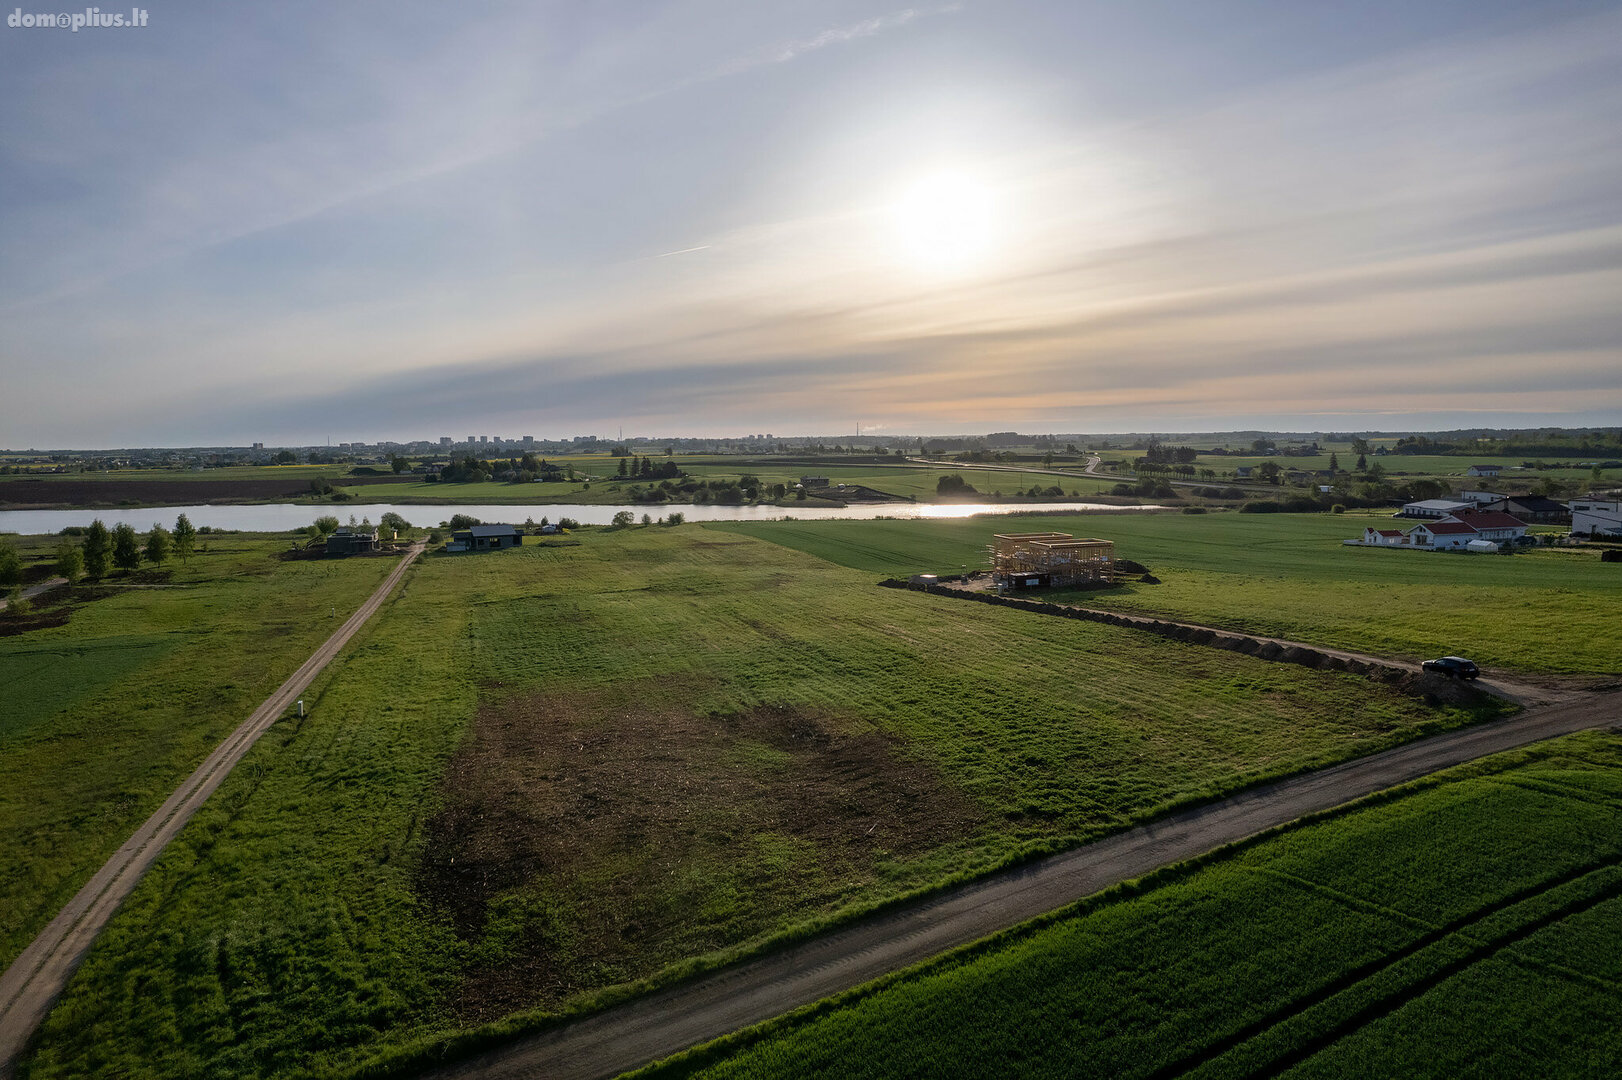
(696, 1011)
(34, 980)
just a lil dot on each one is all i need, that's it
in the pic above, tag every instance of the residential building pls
(1484, 470)
(1595, 516)
(486, 538)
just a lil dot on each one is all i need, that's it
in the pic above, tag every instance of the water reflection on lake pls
(284, 517)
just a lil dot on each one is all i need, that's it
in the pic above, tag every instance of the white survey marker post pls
(301, 708)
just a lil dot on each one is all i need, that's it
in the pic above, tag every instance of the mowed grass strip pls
(109, 711)
(1465, 926)
(1287, 575)
(559, 769)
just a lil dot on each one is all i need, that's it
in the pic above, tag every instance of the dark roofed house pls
(351, 541)
(486, 538)
(1533, 508)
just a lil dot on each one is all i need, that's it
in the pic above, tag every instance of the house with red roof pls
(1373, 537)
(1465, 527)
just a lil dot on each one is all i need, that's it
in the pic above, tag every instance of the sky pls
(352, 220)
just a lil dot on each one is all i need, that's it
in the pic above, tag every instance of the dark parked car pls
(1456, 666)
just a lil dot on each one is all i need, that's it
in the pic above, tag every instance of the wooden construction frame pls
(1054, 558)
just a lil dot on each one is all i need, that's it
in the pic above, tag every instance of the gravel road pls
(709, 1006)
(35, 979)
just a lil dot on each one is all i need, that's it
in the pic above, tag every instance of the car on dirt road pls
(1456, 666)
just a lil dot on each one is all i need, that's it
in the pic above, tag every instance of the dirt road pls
(33, 981)
(35, 590)
(660, 1024)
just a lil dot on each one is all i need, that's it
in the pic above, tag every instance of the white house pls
(1494, 525)
(1441, 535)
(1484, 470)
(1592, 516)
(1373, 537)
(1474, 530)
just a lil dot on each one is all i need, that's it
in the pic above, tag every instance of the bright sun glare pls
(945, 222)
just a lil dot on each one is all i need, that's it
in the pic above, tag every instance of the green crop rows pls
(1466, 927)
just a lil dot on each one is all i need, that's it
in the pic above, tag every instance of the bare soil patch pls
(44, 493)
(586, 839)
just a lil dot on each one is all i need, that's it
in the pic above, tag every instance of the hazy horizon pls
(255, 223)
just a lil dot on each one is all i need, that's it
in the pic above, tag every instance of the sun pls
(945, 222)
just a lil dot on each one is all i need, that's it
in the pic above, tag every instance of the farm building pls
(351, 541)
(1026, 559)
(1434, 508)
(485, 538)
(1484, 470)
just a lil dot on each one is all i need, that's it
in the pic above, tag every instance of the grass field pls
(1467, 927)
(568, 766)
(1288, 575)
(106, 713)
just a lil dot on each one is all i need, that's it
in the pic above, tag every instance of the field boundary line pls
(33, 982)
(1260, 646)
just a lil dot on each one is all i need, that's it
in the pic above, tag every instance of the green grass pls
(109, 712)
(1288, 575)
(1467, 926)
(758, 740)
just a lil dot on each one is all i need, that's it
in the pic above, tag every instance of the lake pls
(285, 517)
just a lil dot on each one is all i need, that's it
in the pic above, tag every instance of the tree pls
(675, 518)
(97, 548)
(1334, 463)
(286, 457)
(622, 520)
(393, 522)
(463, 521)
(647, 519)
(158, 543)
(622, 467)
(126, 549)
(1268, 471)
(399, 464)
(185, 537)
(69, 561)
(11, 564)
(1362, 463)
(326, 524)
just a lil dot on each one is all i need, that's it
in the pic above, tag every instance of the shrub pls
(464, 521)
(1193, 509)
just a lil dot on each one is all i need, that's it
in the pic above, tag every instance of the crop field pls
(138, 679)
(1287, 575)
(1467, 926)
(566, 767)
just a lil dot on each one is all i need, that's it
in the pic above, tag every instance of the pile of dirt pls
(603, 805)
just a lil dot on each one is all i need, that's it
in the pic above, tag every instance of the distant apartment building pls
(258, 446)
(484, 439)
(529, 440)
(444, 440)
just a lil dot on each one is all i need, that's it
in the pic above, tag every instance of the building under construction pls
(1024, 560)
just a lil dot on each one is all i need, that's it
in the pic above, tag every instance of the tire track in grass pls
(1597, 881)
